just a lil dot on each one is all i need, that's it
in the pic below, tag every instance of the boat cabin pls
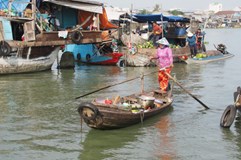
(46, 22)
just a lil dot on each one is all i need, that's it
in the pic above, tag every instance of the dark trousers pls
(193, 50)
(154, 38)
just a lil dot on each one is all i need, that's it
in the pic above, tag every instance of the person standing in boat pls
(200, 40)
(165, 62)
(157, 33)
(191, 42)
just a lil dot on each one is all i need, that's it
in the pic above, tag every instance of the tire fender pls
(5, 48)
(79, 57)
(76, 37)
(88, 57)
(90, 106)
(121, 63)
(228, 116)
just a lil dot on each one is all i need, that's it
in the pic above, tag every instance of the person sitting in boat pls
(200, 40)
(191, 42)
(165, 62)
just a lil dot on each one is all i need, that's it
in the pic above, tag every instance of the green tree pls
(176, 12)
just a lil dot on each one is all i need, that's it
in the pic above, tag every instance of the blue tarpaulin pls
(17, 5)
(158, 17)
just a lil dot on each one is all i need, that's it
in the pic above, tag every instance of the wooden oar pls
(113, 85)
(186, 90)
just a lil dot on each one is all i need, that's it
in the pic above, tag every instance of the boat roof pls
(85, 5)
(158, 17)
(89, 6)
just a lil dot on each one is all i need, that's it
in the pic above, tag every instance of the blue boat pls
(91, 54)
(209, 56)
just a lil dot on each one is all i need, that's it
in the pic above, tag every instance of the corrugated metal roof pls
(84, 5)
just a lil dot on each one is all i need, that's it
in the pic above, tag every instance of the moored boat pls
(124, 111)
(142, 57)
(90, 54)
(12, 64)
(140, 47)
(30, 39)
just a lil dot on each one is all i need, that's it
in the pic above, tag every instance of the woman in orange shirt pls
(157, 33)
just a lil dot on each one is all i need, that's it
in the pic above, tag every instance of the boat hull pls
(114, 118)
(90, 54)
(142, 57)
(101, 115)
(208, 59)
(105, 59)
(15, 64)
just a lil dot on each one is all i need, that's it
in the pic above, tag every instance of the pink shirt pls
(164, 56)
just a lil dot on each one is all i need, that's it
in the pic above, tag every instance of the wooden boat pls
(124, 111)
(142, 57)
(29, 44)
(138, 55)
(210, 56)
(11, 64)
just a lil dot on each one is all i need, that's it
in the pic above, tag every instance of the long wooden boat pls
(142, 57)
(124, 111)
(211, 56)
(12, 64)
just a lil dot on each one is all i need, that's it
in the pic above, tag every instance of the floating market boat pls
(104, 53)
(90, 54)
(124, 111)
(142, 57)
(208, 56)
(140, 49)
(31, 36)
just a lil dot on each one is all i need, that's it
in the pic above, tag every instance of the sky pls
(172, 4)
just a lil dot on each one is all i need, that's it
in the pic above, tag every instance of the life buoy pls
(5, 48)
(88, 58)
(76, 37)
(88, 111)
(228, 116)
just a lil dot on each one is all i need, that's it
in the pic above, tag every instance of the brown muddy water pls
(38, 118)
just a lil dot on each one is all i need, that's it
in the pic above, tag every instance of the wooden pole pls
(105, 87)
(142, 83)
(186, 90)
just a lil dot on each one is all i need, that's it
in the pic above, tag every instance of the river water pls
(38, 118)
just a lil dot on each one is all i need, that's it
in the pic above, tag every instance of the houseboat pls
(32, 32)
